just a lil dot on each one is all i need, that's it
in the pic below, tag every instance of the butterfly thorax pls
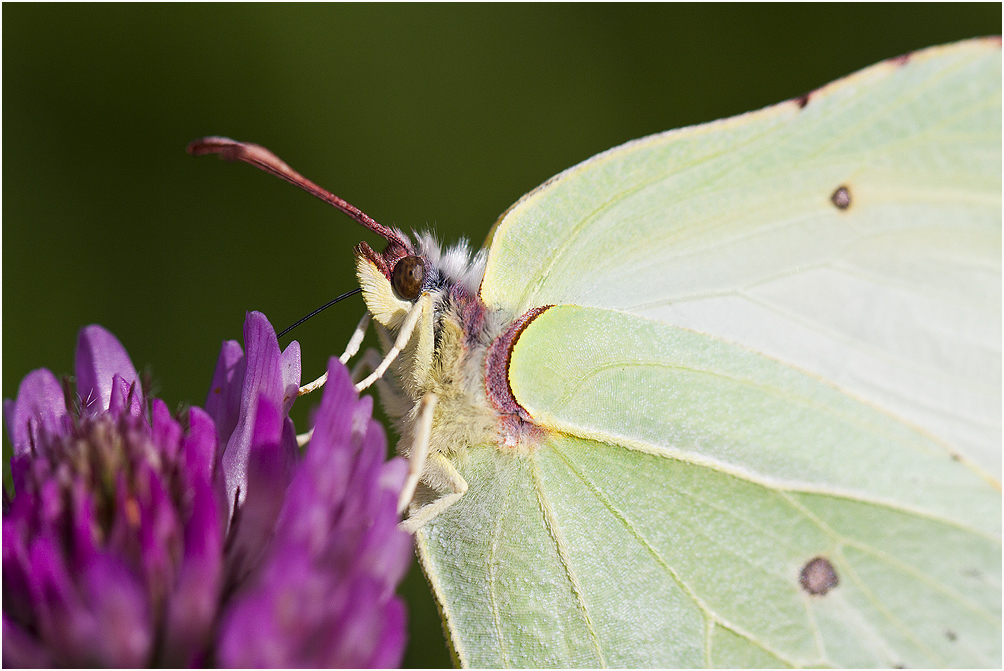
(458, 351)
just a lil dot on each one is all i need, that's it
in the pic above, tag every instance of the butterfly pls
(728, 395)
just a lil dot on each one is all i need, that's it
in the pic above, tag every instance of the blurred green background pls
(423, 116)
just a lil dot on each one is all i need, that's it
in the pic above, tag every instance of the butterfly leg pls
(313, 386)
(403, 336)
(435, 471)
(357, 339)
(440, 475)
(370, 360)
(419, 450)
(350, 351)
(395, 404)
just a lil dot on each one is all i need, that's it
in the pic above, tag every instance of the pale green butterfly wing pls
(690, 477)
(671, 530)
(728, 228)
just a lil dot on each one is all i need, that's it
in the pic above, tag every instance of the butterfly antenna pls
(262, 158)
(320, 309)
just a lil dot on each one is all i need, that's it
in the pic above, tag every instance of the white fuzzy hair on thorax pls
(455, 264)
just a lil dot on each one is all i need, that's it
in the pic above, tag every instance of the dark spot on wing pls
(841, 198)
(901, 60)
(818, 576)
(956, 457)
(972, 573)
(802, 100)
(950, 635)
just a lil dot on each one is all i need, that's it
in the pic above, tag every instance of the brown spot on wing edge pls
(818, 576)
(902, 59)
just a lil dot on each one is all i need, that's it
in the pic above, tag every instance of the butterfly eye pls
(409, 273)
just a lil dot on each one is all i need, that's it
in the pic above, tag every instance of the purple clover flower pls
(137, 538)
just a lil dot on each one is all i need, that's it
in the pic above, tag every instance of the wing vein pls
(660, 560)
(561, 545)
(492, 577)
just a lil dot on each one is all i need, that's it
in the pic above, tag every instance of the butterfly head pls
(393, 280)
